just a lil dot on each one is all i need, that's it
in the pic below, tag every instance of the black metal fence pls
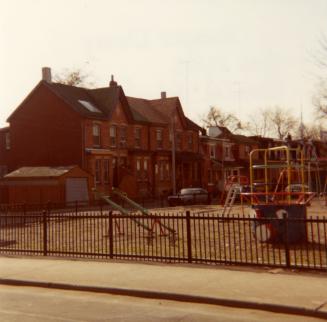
(175, 236)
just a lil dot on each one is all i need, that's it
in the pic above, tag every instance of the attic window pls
(89, 106)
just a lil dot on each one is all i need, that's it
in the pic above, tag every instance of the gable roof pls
(143, 111)
(100, 103)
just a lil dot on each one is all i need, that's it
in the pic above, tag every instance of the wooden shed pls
(33, 185)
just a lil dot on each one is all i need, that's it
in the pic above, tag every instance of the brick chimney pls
(112, 83)
(163, 95)
(46, 74)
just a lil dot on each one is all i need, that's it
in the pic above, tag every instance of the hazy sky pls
(238, 55)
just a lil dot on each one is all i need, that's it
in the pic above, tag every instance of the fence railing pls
(189, 237)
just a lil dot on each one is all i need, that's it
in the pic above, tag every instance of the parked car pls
(297, 187)
(190, 196)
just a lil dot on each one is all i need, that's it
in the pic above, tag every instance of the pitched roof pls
(159, 111)
(75, 96)
(27, 172)
(143, 111)
(99, 103)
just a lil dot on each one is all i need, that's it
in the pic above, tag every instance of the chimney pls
(163, 95)
(46, 74)
(112, 82)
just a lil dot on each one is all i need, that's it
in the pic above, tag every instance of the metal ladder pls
(233, 191)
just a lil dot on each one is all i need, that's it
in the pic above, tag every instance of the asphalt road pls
(30, 304)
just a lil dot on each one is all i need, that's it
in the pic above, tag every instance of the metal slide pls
(123, 211)
(143, 210)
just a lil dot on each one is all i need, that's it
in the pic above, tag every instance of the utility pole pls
(173, 155)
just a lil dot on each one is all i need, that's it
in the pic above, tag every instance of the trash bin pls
(273, 229)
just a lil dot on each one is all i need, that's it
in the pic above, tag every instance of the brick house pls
(122, 141)
(235, 151)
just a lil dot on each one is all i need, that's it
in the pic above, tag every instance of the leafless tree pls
(320, 96)
(74, 77)
(216, 117)
(282, 122)
(320, 100)
(260, 123)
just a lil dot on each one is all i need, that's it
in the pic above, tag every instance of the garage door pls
(76, 189)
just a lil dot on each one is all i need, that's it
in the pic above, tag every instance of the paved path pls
(297, 293)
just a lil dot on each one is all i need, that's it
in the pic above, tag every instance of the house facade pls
(124, 142)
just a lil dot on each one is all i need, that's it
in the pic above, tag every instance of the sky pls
(238, 55)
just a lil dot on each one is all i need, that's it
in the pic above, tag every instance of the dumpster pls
(273, 227)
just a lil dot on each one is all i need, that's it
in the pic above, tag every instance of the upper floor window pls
(113, 135)
(96, 134)
(7, 141)
(159, 138)
(247, 149)
(227, 152)
(123, 136)
(212, 151)
(179, 141)
(138, 137)
(190, 142)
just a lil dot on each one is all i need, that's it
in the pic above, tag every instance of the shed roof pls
(37, 172)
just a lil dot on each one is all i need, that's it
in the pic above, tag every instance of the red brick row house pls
(122, 141)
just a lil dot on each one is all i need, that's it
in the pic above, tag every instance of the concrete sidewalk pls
(293, 293)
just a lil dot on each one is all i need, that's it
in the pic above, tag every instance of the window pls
(145, 167)
(159, 138)
(190, 142)
(123, 136)
(137, 137)
(247, 149)
(105, 165)
(138, 169)
(161, 169)
(7, 141)
(227, 152)
(96, 135)
(212, 151)
(179, 141)
(167, 171)
(97, 171)
(113, 135)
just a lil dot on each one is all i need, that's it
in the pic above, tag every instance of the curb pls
(276, 308)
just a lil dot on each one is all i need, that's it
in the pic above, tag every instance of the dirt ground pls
(317, 208)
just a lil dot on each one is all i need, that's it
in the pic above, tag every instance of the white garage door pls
(76, 189)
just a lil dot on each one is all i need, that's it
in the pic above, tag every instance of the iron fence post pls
(189, 237)
(111, 237)
(287, 249)
(45, 234)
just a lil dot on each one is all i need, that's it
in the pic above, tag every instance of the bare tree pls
(320, 100)
(216, 117)
(74, 77)
(282, 122)
(260, 123)
(320, 96)
(310, 131)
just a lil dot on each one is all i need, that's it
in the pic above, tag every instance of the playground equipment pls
(282, 210)
(151, 229)
(232, 188)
